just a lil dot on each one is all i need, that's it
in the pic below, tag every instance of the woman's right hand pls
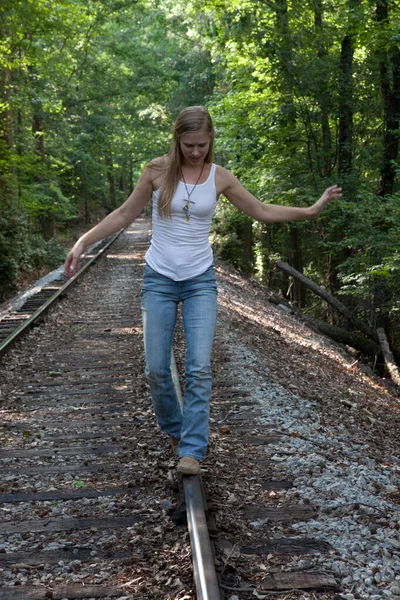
(71, 265)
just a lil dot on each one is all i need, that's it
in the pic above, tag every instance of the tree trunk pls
(346, 106)
(245, 233)
(285, 55)
(110, 180)
(388, 356)
(7, 188)
(38, 131)
(345, 145)
(349, 338)
(389, 66)
(324, 99)
(345, 150)
(47, 221)
(47, 227)
(83, 178)
(341, 308)
(84, 193)
(299, 291)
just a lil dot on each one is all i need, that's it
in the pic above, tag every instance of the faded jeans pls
(160, 298)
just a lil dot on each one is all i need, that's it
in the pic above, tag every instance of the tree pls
(89, 91)
(389, 67)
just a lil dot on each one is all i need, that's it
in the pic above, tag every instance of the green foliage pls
(30, 437)
(78, 484)
(46, 200)
(277, 109)
(371, 271)
(22, 251)
(40, 254)
(89, 91)
(13, 232)
(227, 235)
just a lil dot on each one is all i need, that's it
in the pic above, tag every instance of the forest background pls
(304, 94)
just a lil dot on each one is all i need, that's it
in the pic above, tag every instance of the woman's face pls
(194, 146)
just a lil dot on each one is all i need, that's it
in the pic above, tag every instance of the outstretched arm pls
(233, 190)
(118, 219)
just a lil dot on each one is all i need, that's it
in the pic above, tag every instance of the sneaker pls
(174, 445)
(188, 466)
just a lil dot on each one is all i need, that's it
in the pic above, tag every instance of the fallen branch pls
(349, 338)
(341, 308)
(388, 356)
(264, 593)
(227, 560)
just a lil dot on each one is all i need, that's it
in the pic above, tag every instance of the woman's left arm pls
(232, 189)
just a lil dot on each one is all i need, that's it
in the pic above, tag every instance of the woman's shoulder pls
(223, 177)
(220, 170)
(154, 171)
(159, 163)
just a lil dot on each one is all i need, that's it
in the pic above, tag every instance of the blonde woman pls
(184, 187)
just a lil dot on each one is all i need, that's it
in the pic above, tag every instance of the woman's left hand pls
(331, 193)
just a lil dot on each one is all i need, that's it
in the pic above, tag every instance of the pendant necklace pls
(188, 201)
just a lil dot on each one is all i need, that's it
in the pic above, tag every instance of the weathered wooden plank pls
(49, 469)
(79, 365)
(72, 591)
(82, 358)
(298, 581)
(107, 408)
(69, 424)
(75, 358)
(108, 434)
(222, 383)
(232, 404)
(288, 546)
(258, 441)
(54, 556)
(277, 485)
(104, 434)
(69, 524)
(78, 392)
(245, 430)
(248, 416)
(64, 451)
(38, 386)
(31, 404)
(232, 394)
(284, 513)
(58, 495)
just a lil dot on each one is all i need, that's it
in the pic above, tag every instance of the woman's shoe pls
(188, 466)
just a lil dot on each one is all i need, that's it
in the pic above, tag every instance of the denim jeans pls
(160, 299)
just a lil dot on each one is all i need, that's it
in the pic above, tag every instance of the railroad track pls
(15, 322)
(87, 481)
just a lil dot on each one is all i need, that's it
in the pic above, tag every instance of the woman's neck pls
(193, 173)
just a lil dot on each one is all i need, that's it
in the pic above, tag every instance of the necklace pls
(188, 201)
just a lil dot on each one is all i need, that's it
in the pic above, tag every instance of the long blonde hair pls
(192, 118)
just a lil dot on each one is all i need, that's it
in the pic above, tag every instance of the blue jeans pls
(160, 298)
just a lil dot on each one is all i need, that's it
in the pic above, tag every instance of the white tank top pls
(180, 249)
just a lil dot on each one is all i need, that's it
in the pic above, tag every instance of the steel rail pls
(205, 576)
(21, 329)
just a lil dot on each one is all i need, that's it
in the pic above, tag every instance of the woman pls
(184, 187)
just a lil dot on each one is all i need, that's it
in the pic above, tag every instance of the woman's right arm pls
(118, 219)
